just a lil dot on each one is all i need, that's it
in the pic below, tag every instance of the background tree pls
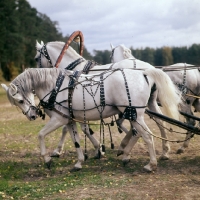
(102, 57)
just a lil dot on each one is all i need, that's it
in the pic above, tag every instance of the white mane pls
(126, 51)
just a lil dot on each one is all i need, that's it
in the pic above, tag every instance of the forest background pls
(21, 25)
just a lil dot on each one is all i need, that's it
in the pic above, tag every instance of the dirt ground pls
(177, 178)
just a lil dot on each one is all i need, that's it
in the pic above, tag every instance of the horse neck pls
(42, 81)
(54, 50)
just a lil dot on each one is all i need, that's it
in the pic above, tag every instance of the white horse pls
(187, 80)
(47, 55)
(135, 90)
(46, 58)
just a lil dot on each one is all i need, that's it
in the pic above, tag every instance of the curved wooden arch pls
(73, 36)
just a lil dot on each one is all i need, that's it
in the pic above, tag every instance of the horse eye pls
(21, 101)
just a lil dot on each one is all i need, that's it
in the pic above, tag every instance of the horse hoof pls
(49, 164)
(55, 155)
(150, 168)
(179, 151)
(75, 169)
(164, 157)
(125, 162)
(119, 152)
(85, 157)
(98, 156)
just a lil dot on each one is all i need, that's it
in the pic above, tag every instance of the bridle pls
(38, 110)
(43, 51)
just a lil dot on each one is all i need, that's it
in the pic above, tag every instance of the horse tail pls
(168, 94)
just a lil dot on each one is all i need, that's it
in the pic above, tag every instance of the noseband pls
(30, 107)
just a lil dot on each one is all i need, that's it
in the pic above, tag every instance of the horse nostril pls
(33, 117)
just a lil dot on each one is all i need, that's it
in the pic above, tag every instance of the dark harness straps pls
(130, 111)
(50, 104)
(72, 81)
(43, 51)
(72, 65)
(89, 65)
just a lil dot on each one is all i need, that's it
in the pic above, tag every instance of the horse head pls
(26, 104)
(47, 54)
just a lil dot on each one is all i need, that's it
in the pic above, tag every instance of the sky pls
(134, 23)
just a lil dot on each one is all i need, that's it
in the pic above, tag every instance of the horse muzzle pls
(31, 113)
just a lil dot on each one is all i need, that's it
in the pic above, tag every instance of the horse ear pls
(13, 89)
(112, 47)
(42, 43)
(5, 87)
(38, 45)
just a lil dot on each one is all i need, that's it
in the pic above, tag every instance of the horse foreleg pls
(124, 142)
(52, 125)
(94, 141)
(58, 151)
(76, 140)
(121, 126)
(126, 146)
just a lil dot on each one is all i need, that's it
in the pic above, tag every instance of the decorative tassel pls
(103, 148)
(91, 131)
(134, 132)
(112, 145)
(85, 156)
(77, 145)
(43, 116)
(99, 154)
(120, 130)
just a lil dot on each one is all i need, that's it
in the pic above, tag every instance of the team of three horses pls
(76, 96)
